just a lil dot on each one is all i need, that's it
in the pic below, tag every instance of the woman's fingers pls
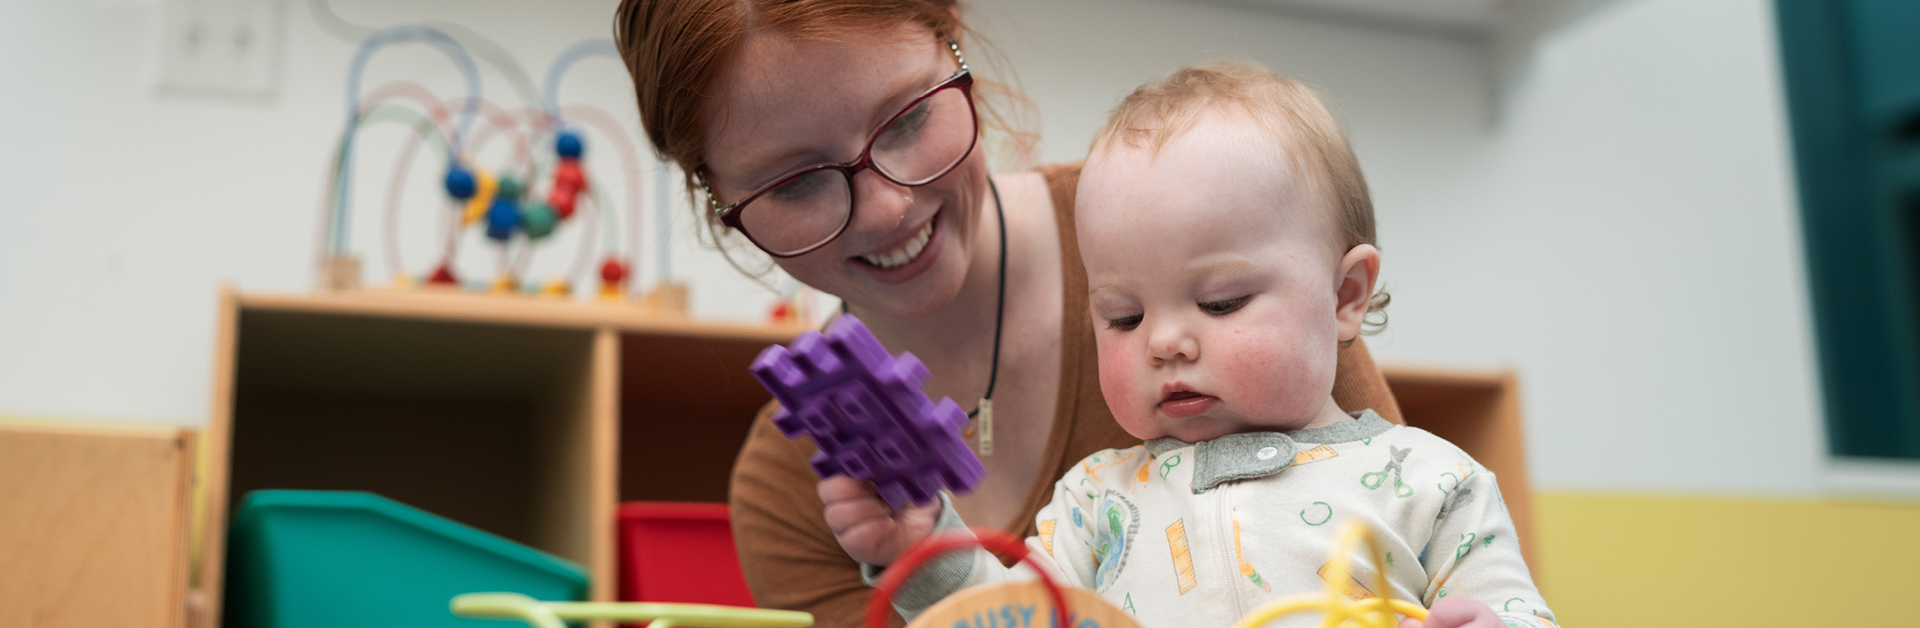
(850, 503)
(866, 527)
(840, 487)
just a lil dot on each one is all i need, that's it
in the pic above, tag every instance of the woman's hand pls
(1457, 612)
(871, 532)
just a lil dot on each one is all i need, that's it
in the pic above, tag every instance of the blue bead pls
(459, 183)
(502, 218)
(567, 144)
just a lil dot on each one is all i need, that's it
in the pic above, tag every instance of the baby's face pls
(1216, 282)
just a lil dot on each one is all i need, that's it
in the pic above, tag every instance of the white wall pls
(1623, 233)
(1632, 244)
(130, 207)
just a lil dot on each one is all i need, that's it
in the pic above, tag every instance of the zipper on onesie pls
(1223, 540)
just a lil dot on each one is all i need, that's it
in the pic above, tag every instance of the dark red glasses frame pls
(962, 79)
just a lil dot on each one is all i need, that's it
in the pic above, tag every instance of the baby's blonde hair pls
(1287, 111)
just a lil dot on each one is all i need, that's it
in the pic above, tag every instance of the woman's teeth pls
(906, 253)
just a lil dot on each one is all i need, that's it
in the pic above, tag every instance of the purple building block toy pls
(865, 411)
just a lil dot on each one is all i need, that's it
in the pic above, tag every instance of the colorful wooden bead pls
(539, 221)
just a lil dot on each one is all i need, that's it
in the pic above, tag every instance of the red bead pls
(443, 275)
(562, 203)
(613, 271)
(568, 175)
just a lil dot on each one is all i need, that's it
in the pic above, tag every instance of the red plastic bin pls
(679, 552)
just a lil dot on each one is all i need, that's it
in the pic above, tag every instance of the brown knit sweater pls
(789, 555)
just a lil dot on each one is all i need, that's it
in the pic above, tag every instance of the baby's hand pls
(871, 532)
(1457, 612)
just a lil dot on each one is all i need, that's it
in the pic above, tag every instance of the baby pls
(1228, 239)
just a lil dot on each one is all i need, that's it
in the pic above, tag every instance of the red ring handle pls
(986, 538)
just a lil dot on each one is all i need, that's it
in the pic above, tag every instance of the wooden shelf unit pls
(527, 418)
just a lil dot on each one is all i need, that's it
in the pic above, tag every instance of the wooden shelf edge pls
(1489, 378)
(511, 310)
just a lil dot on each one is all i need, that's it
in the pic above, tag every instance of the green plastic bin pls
(332, 559)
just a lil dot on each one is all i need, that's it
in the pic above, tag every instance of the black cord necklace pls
(984, 411)
(982, 414)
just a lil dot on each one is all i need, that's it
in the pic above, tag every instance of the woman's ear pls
(1353, 289)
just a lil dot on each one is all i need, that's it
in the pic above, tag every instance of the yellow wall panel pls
(1624, 560)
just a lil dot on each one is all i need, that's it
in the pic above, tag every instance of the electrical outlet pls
(222, 47)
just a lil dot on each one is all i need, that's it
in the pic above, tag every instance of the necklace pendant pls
(986, 427)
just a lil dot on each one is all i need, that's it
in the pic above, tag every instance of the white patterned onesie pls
(1182, 534)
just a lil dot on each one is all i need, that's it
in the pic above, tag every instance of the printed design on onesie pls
(1094, 463)
(1246, 568)
(1182, 556)
(1316, 454)
(1324, 513)
(1375, 479)
(1046, 535)
(1351, 588)
(1115, 524)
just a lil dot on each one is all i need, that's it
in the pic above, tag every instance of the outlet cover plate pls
(222, 47)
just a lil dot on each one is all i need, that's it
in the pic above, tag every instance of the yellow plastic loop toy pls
(514, 606)
(1343, 611)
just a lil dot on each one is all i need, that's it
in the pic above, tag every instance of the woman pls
(841, 138)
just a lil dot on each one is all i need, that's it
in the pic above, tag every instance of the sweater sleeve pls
(1474, 552)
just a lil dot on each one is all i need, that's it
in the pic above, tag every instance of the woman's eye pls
(1224, 307)
(907, 127)
(1126, 323)
(800, 188)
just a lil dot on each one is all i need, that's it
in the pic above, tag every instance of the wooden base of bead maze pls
(340, 272)
(667, 298)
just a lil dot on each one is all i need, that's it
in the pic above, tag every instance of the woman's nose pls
(878, 204)
(1171, 341)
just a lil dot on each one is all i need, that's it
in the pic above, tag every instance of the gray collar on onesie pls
(1260, 454)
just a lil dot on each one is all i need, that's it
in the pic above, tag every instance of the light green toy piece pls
(514, 606)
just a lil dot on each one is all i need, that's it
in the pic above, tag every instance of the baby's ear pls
(1353, 289)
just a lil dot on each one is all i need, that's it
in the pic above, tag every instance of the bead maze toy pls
(518, 207)
(866, 412)
(1342, 611)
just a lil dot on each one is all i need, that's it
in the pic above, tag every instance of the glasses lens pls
(927, 139)
(799, 213)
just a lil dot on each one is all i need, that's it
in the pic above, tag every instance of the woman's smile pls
(908, 258)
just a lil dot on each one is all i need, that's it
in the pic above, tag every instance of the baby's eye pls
(1124, 323)
(1225, 307)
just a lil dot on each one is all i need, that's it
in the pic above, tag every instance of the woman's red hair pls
(675, 48)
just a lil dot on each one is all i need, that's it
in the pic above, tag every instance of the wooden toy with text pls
(1041, 603)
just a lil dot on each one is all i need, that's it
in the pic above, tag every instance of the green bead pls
(539, 221)
(509, 187)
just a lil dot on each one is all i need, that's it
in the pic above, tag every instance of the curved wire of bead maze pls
(1343, 612)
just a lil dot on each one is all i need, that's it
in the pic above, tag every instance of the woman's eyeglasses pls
(807, 208)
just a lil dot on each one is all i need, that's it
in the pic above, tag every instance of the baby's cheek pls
(1280, 373)
(1120, 383)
